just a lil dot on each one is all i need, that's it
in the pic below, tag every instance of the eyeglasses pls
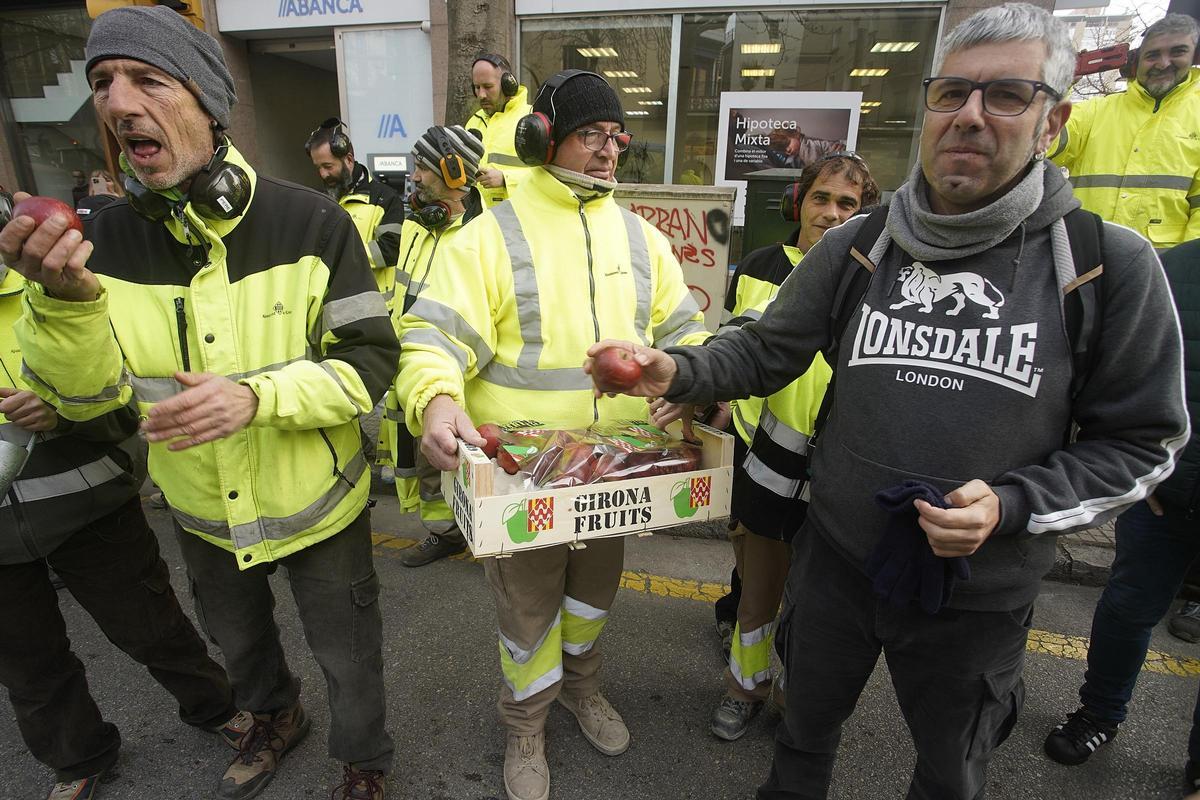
(596, 140)
(850, 154)
(1006, 97)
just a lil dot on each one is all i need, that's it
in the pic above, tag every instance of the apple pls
(41, 209)
(490, 432)
(507, 461)
(615, 370)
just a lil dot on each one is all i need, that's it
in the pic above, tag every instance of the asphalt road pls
(662, 672)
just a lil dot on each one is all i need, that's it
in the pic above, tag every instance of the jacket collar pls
(360, 178)
(558, 193)
(521, 98)
(1190, 84)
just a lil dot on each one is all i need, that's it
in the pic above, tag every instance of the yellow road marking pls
(1053, 644)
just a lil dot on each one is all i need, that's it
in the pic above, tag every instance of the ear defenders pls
(220, 190)
(509, 86)
(450, 163)
(534, 137)
(789, 204)
(429, 215)
(339, 140)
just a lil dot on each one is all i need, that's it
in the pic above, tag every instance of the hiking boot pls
(359, 784)
(82, 789)
(599, 721)
(430, 550)
(725, 631)
(1186, 622)
(1074, 740)
(526, 773)
(260, 750)
(237, 726)
(731, 717)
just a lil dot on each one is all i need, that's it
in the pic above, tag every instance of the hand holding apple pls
(490, 432)
(44, 243)
(656, 370)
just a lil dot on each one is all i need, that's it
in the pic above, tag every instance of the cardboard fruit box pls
(502, 524)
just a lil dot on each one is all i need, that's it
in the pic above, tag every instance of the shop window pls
(884, 53)
(45, 104)
(633, 53)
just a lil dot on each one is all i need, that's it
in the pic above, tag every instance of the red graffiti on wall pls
(686, 229)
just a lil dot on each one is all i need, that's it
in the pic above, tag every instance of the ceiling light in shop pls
(869, 72)
(894, 47)
(636, 89)
(865, 110)
(637, 113)
(650, 102)
(596, 52)
(759, 73)
(619, 73)
(761, 48)
(871, 103)
(896, 121)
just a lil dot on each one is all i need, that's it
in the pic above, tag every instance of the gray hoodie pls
(958, 367)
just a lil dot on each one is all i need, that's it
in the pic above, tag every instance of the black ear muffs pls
(509, 85)
(220, 190)
(430, 215)
(534, 137)
(339, 140)
(789, 204)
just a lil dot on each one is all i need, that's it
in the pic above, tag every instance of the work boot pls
(599, 721)
(82, 789)
(1186, 622)
(526, 773)
(261, 750)
(731, 717)
(1074, 740)
(359, 784)
(233, 729)
(430, 550)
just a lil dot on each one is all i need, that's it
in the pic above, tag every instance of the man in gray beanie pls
(496, 335)
(240, 315)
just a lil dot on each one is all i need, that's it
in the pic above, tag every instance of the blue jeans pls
(1153, 556)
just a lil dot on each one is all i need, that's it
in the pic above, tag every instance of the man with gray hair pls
(957, 317)
(1134, 156)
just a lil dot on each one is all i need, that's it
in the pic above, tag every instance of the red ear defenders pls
(508, 82)
(534, 137)
(450, 165)
(789, 204)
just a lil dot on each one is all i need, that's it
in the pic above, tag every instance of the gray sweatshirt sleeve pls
(1131, 413)
(761, 357)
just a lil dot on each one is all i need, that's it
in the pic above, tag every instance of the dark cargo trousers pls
(113, 570)
(337, 597)
(957, 678)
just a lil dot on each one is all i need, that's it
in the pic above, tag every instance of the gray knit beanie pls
(582, 100)
(162, 38)
(447, 140)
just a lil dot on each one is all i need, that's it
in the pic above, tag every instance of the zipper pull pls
(181, 327)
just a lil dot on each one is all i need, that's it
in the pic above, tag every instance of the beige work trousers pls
(762, 564)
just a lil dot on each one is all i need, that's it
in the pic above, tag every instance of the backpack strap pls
(1082, 291)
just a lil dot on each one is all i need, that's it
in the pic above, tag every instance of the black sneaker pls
(430, 550)
(732, 717)
(1073, 741)
(1185, 624)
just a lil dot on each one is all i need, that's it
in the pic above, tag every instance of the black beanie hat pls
(580, 101)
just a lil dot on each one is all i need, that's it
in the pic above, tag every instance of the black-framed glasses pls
(1005, 97)
(595, 139)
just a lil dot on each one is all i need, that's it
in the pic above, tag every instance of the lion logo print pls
(921, 286)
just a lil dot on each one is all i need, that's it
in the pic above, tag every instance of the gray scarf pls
(927, 236)
(585, 187)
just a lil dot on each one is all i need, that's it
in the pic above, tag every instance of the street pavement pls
(662, 671)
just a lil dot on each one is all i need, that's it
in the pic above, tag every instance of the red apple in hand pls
(41, 209)
(490, 432)
(615, 370)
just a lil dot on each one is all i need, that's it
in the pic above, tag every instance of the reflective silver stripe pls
(377, 258)
(1194, 201)
(432, 337)
(1062, 144)
(748, 682)
(388, 227)
(525, 288)
(389, 295)
(31, 490)
(505, 160)
(781, 433)
(755, 636)
(155, 390)
(545, 682)
(639, 261)
(548, 380)
(750, 313)
(770, 479)
(105, 395)
(348, 310)
(408, 472)
(1175, 182)
(394, 414)
(449, 321)
(726, 315)
(520, 655)
(578, 608)
(736, 410)
(679, 324)
(402, 278)
(279, 528)
(332, 372)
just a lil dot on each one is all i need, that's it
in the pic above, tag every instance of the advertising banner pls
(780, 130)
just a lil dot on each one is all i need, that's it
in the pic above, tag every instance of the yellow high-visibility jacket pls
(378, 213)
(499, 147)
(279, 299)
(1135, 160)
(521, 293)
